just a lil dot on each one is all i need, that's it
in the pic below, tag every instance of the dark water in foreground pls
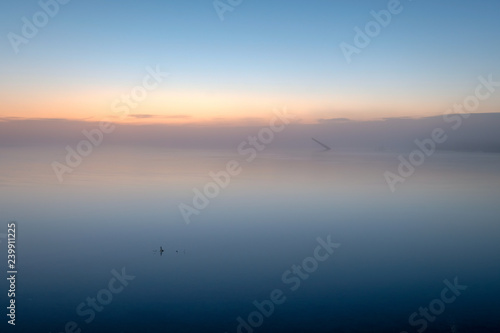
(117, 209)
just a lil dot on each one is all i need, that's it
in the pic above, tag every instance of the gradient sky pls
(264, 55)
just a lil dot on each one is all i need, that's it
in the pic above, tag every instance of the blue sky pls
(278, 52)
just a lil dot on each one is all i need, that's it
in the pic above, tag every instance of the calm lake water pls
(112, 214)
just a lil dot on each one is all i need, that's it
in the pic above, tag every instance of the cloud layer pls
(479, 132)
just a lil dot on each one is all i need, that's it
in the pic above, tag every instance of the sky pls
(262, 56)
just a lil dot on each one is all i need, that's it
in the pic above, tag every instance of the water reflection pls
(121, 206)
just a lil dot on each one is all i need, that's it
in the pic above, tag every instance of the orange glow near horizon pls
(204, 108)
